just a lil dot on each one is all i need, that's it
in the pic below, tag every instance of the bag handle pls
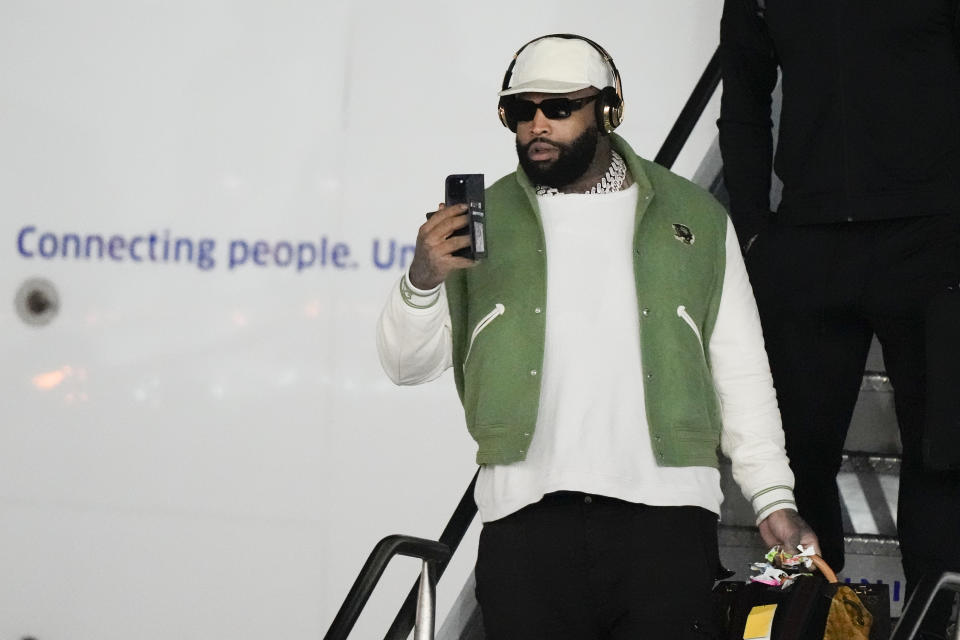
(824, 568)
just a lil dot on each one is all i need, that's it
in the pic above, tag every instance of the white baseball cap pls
(558, 65)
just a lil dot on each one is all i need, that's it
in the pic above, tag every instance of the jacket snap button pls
(533, 372)
(588, 499)
(646, 312)
(537, 310)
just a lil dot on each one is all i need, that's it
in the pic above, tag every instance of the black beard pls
(571, 163)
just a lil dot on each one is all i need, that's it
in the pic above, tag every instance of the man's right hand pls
(432, 258)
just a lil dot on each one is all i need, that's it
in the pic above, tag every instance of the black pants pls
(584, 567)
(823, 291)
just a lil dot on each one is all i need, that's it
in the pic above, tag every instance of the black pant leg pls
(664, 572)
(807, 281)
(531, 574)
(916, 258)
(580, 568)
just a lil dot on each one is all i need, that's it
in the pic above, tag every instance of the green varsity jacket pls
(498, 315)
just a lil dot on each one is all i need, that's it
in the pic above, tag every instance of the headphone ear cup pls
(609, 109)
(504, 120)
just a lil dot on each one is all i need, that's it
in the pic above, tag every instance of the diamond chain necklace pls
(611, 182)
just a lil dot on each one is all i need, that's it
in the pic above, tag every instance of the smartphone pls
(468, 188)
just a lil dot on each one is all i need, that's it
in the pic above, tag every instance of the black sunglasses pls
(554, 108)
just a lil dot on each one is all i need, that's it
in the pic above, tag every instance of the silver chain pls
(611, 182)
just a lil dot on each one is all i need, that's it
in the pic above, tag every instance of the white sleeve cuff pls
(418, 298)
(766, 501)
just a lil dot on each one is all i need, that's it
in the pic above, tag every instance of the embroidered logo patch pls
(682, 233)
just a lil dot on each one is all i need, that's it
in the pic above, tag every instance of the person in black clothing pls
(866, 233)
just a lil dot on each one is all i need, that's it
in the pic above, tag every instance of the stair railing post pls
(426, 610)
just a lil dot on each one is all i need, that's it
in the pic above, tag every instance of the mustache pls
(547, 141)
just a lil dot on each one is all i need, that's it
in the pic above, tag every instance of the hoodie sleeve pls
(752, 434)
(413, 334)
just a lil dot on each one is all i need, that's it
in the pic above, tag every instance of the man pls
(867, 231)
(598, 396)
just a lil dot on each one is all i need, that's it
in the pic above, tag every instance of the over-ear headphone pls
(609, 106)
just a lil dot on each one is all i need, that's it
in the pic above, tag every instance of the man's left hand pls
(786, 528)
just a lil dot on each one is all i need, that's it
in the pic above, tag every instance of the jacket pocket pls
(498, 310)
(683, 315)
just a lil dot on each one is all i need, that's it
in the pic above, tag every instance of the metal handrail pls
(452, 536)
(435, 554)
(919, 603)
(430, 551)
(691, 112)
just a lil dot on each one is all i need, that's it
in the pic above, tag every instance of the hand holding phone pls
(453, 236)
